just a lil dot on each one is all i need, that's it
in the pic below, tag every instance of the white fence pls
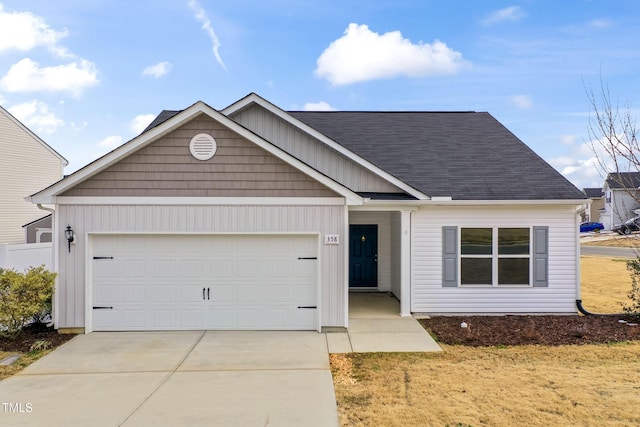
(22, 256)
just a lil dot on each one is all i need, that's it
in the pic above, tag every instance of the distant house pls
(595, 206)
(253, 217)
(621, 198)
(27, 164)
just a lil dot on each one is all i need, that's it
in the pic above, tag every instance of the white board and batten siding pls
(91, 220)
(428, 294)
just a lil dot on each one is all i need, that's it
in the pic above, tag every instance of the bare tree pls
(613, 136)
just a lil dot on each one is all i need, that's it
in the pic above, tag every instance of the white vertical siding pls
(428, 295)
(383, 221)
(198, 219)
(309, 150)
(26, 166)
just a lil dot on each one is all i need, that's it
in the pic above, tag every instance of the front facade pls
(27, 164)
(256, 218)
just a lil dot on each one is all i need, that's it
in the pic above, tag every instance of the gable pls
(166, 168)
(313, 152)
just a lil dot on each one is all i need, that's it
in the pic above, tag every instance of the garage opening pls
(198, 282)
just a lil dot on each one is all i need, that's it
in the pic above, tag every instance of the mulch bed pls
(29, 335)
(519, 330)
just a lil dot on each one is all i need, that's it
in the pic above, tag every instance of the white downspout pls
(54, 248)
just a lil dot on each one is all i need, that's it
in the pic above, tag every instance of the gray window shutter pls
(540, 256)
(449, 256)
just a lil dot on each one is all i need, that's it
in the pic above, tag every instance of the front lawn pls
(502, 385)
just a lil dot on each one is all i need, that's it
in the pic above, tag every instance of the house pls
(622, 198)
(253, 217)
(595, 205)
(27, 164)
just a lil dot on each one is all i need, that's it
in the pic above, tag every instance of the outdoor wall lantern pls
(68, 233)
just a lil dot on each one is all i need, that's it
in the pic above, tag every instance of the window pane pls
(513, 271)
(513, 241)
(475, 271)
(476, 241)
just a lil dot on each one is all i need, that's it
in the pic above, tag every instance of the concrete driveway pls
(176, 378)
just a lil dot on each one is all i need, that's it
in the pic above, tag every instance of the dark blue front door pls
(363, 256)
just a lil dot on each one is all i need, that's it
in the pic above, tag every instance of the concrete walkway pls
(177, 379)
(375, 325)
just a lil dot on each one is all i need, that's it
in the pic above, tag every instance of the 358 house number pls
(331, 239)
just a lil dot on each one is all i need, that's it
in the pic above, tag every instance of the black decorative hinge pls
(102, 257)
(307, 306)
(102, 307)
(307, 257)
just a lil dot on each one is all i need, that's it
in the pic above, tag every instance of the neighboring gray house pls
(622, 198)
(253, 217)
(27, 164)
(595, 205)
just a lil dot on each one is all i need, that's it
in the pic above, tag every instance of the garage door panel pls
(155, 282)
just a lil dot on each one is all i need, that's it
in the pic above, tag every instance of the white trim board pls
(163, 201)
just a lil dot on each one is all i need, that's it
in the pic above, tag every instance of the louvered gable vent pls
(203, 146)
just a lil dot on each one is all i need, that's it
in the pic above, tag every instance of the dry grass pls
(605, 284)
(24, 361)
(591, 385)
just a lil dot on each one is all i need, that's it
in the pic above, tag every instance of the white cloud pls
(158, 70)
(361, 55)
(522, 102)
(318, 106)
(508, 14)
(141, 121)
(600, 23)
(24, 31)
(568, 139)
(27, 76)
(110, 142)
(201, 15)
(36, 116)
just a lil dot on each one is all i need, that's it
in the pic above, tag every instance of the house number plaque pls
(331, 239)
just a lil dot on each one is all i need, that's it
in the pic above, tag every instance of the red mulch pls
(29, 335)
(545, 330)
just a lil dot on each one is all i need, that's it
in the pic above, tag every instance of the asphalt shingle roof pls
(593, 193)
(623, 180)
(465, 155)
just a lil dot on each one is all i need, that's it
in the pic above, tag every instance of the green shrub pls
(24, 297)
(633, 308)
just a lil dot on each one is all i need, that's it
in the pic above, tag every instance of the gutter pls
(447, 201)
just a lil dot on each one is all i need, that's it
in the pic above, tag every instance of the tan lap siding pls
(198, 219)
(428, 295)
(165, 168)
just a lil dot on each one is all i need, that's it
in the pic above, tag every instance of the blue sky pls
(88, 76)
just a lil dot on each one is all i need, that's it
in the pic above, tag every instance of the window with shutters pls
(495, 256)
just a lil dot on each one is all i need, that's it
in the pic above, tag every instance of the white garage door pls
(173, 282)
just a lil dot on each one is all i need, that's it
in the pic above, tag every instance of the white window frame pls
(495, 257)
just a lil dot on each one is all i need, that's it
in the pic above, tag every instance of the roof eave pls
(49, 194)
(444, 201)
